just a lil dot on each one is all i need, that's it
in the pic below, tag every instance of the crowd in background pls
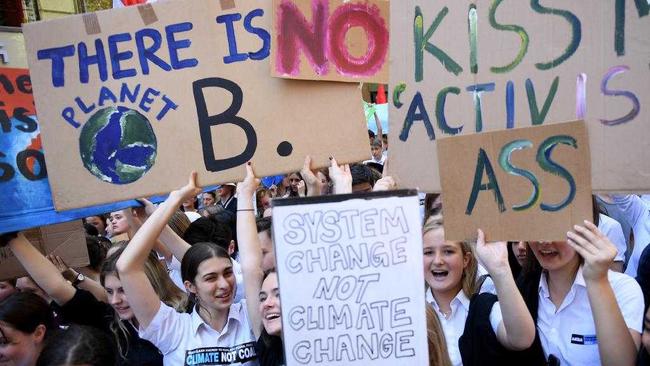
(166, 283)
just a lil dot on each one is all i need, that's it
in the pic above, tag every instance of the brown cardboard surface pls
(66, 240)
(282, 112)
(458, 166)
(362, 27)
(618, 153)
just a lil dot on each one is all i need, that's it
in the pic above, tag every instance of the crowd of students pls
(193, 282)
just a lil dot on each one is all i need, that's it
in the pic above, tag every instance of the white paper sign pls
(351, 279)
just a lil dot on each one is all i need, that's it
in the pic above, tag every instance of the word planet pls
(117, 145)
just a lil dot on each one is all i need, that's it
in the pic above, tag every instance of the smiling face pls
(20, 348)
(444, 263)
(117, 297)
(214, 284)
(270, 305)
(555, 255)
(119, 223)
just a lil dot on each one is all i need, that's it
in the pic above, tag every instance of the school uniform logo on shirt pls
(583, 339)
(220, 355)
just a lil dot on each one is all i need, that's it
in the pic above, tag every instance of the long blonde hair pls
(162, 284)
(469, 284)
(438, 355)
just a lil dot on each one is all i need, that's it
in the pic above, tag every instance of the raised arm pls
(142, 298)
(136, 217)
(250, 251)
(72, 274)
(517, 330)
(341, 177)
(617, 344)
(44, 273)
(314, 184)
(173, 244)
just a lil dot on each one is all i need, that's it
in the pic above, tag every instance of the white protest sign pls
(350, 274)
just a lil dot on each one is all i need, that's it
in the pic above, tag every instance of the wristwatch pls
(80, 278)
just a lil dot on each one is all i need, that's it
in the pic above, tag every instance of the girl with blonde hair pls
(450, 272)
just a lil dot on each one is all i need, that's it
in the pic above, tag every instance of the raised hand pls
(494, 255)
(341, 177)
(313, 182)
(594, 247)
(146, 210)
(387, 183)
(302, 189)
(190, 189)
(246, 189)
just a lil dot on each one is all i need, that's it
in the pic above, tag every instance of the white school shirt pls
(570, 333)
(186, 340)
(637, 214)
(614, 232)
(174, 270)
(454, 327)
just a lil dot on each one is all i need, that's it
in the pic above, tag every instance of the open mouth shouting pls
(439, 274)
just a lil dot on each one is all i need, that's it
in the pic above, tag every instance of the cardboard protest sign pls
(528, 183)
(350, 273)
(466, 67)
(25, 196)
(337, 40)
(68, 241)
(135, 98)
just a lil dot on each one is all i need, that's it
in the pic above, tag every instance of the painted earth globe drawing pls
(118, 145)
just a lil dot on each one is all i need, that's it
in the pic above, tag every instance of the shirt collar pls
(233, 314)
(460, 298)
(543, 284)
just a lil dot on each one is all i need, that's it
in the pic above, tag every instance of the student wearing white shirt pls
(636, 213)
(217, 331)
(587, 314)
(262, 290)
(450, 273)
